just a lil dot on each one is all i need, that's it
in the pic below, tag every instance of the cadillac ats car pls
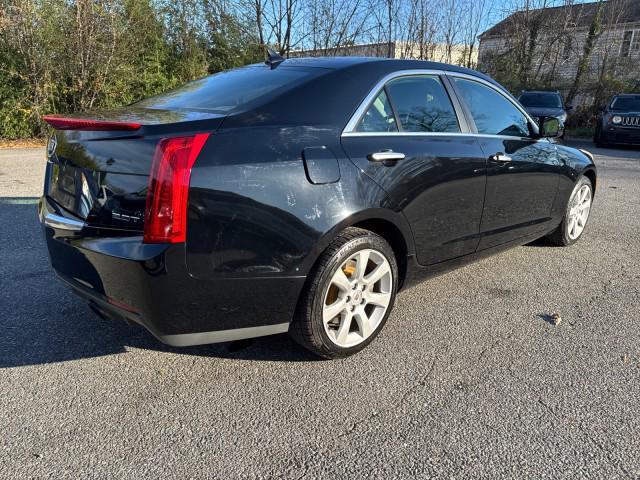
(300, 196)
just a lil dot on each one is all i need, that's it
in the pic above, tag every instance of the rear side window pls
(228, 91)
(378, 117)
(422, 104)
(492, 113)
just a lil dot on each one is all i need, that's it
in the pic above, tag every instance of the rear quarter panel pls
(253, 211)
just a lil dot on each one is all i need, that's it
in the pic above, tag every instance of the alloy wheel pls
(579, 208)
(357, 298)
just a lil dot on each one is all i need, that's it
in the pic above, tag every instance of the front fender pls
(575, 164)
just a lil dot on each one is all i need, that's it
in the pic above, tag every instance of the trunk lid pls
(98, 165)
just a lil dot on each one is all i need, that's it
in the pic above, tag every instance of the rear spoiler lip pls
(67, 123)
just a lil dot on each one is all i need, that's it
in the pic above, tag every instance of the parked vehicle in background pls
(544, 103)
(619, 122)
(300, 196)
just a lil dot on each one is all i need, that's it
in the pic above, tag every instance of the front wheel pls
(348, 296)
(576, 215)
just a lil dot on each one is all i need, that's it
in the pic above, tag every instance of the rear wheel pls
(576, 215)
(349, 295)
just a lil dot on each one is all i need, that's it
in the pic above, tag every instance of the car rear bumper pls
(149, 284)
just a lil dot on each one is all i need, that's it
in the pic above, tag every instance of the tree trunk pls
(595, 30)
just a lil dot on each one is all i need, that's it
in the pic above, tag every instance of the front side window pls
(422, 104)
(378, 117)
(492, 113)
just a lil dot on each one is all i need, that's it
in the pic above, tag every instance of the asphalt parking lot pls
(468, 379)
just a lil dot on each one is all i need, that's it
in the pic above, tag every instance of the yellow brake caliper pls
(349, 269)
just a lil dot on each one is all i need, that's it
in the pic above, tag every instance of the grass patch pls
(23, 143)
(580, 132)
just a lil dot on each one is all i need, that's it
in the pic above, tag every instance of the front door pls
(409, 141)
(522, 171)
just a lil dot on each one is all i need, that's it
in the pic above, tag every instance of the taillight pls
(165, 216)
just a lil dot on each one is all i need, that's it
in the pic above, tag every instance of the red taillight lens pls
(65, 123)
(165, 217)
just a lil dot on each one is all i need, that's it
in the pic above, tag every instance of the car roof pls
(384, 64)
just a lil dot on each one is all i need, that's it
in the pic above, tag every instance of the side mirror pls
(549, 127)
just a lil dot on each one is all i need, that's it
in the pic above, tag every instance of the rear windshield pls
(229, 91)
(541, 100)
(626, 104)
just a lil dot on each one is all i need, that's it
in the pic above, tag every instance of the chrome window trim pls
(437, 134)
(375, 91)
(349, 129)
(507, 97)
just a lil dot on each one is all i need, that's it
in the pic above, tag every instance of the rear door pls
(522, 172)
(409, 138)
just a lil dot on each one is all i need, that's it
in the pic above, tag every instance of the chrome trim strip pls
(56, 221)
(436, 134)
(409, 134)
(201, 338)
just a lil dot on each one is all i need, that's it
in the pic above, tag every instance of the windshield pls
(227, 91)
(626, 104)
(541, 100)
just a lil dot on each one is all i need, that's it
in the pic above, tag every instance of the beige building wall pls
(455, 54)
(560, 59)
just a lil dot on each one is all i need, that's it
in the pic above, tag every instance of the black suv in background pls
(619, 121)
(543, 103)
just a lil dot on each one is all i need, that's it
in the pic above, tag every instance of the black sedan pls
(300, 196)
(619, 122)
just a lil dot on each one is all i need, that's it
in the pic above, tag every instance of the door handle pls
(500, 158)
(386, 156)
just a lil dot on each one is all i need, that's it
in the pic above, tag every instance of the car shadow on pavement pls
(541, 243)
(42, 322)
(625, 152)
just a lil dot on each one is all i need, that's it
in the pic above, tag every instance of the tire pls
(575, 219)
(327, 292)
(597, 139)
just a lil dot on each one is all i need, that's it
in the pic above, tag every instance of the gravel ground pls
(468, 379)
